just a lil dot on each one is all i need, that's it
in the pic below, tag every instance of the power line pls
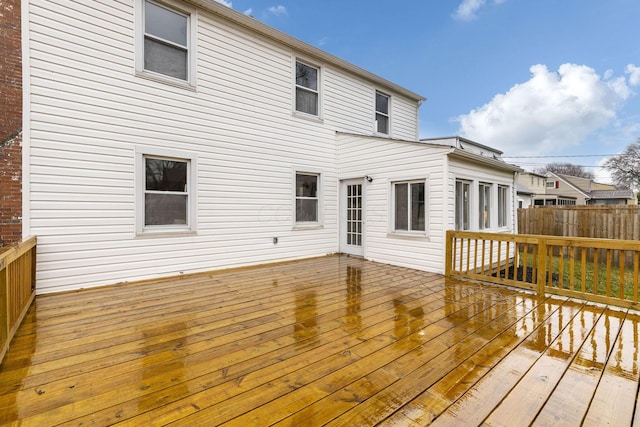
(559, 157)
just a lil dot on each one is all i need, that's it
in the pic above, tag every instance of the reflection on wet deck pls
(333, 340)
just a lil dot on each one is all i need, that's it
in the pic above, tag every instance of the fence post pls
(542, 266)
(448, 258)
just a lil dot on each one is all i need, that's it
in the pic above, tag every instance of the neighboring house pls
(169, 137)
(586, 191)
(529, 186)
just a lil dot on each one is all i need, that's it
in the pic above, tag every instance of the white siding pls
(477, 173)
(89, 111)
(350, 107)
(387, 161)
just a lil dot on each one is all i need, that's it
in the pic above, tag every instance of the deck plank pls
(429, 404)
(525, 400)
(582, 377)
(474, 406)
(329, 340)
(614, 401)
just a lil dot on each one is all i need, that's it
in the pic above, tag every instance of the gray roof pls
(612, 194)
(521, 189)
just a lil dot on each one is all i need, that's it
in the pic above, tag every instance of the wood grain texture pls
(326, 341)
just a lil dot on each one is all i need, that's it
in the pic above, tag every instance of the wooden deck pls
(332, 340)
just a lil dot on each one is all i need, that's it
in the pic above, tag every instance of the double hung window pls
(165, 191)
(166, 47)
(462, 205)
(484, 203)
(307, 199)
(382, 113)
(307, 88)
(409, 206)
(503, 192)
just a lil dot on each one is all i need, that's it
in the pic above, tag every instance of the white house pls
(169, 137)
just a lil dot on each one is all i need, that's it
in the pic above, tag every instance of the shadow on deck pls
(332, 340)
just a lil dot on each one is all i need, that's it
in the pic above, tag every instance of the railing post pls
(448, 253)
(542, 266)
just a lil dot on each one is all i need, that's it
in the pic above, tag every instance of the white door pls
(351, 217)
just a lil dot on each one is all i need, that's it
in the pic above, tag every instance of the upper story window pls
(409, 206)
(552, 184)
(462, 205)
(382, 113)
(307, 88)
(166, 35)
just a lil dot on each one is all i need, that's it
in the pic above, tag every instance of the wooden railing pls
(17, 288)
(599, 270)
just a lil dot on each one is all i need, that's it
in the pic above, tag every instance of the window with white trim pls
(463, 189)
(409, 206)
(484, 203)
(165, 191)
(166, 47)
(307, 198)
(307, 88)
(503, 211)
(382, 113)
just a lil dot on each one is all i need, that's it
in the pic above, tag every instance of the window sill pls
(309, 117)
(165, 233)
(166, 80)
(308, 227)
(408, 236)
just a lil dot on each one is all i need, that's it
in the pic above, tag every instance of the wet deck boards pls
(333, 340)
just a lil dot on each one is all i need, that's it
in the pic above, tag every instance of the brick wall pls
(10, 123)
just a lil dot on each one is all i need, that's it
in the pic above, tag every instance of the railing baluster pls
(608, 275)
(596, 279)
(636, 268)
(622, 276)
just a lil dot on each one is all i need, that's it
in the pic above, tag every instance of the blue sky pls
(530, 77)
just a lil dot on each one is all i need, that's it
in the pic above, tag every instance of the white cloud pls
(547, 113)
(248, 12)
(634, 74)
(602, 175)
(466, 11)
(278, 10)
(226, 3)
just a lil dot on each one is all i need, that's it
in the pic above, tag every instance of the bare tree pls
(625, 167)
(566, 169)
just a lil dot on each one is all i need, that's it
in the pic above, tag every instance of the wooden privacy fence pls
(17, 288)
(603, 222)
(549, 264)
